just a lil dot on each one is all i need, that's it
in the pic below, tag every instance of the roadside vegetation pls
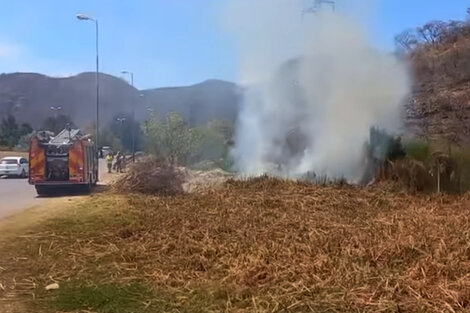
(205, 146)
(429, 167)
(11, 133)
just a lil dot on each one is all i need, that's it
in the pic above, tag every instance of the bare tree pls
(453, 31)
(431, 33)
(406, 41)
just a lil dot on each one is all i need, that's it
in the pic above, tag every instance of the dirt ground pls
(13, 153)
(21, 223)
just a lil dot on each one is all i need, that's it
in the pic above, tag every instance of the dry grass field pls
(261, 245)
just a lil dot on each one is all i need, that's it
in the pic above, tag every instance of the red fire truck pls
(68, 159)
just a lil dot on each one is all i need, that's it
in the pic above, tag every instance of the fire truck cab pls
(68, 159)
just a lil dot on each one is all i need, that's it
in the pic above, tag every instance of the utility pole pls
(313, 6)
(133, 116)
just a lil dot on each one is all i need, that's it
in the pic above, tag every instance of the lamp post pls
(56, 109)
(84, 17)
(131, 75)
(121, 121)
(150, 110)
(133, 115)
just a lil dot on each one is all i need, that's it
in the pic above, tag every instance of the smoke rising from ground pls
(313, 88)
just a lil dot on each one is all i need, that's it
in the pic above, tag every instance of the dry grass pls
(151, 177)
(262, 245)
(156, 177)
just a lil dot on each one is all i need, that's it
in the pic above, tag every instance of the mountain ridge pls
(29, 97)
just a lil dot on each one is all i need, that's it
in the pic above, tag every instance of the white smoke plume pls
(314, 86)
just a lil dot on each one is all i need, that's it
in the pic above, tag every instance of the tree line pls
(433, 34)
(17, 135)
(170, 137)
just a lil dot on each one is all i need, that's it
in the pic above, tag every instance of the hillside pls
(29, 97)
(440, 56)
(198, 103)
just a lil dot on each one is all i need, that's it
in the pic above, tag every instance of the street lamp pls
(56, 109)
(150, 110)
(131, 75)
(84, 17)
(121, 121)
(133, 115)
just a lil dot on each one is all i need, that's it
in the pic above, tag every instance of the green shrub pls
(23, 142)
(454, 166)
(171, 138)
(418, 150)
(109, 298)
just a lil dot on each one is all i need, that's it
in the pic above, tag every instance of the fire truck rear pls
(66, 160)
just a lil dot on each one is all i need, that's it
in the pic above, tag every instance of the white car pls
(14, 166)
(106, 150)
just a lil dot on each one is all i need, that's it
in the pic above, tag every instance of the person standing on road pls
(117, 164)
(123, 163)
(109, 161)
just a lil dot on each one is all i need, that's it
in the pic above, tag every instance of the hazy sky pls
(164, 42)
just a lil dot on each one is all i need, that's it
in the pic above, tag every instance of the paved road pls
(17, 195)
